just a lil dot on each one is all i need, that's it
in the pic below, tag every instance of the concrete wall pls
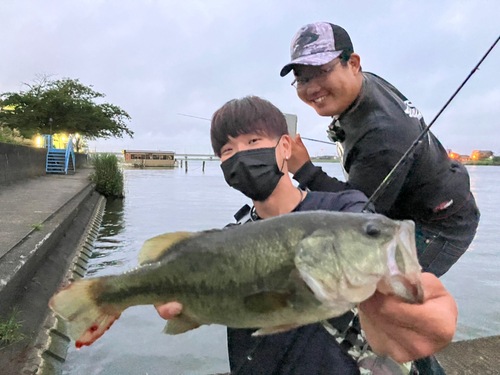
(21, 162)
(80, 160)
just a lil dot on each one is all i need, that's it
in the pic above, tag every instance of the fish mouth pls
(403, 278)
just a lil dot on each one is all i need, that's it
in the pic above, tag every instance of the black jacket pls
(378, 128)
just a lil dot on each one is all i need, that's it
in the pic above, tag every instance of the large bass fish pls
(274, 274)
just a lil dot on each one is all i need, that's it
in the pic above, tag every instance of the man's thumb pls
(298, 140)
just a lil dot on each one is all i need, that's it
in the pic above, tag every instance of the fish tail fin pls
(87, 321)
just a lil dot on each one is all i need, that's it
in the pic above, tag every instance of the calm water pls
(160, 201)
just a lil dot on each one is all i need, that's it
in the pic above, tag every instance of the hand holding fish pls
(169, 310)
(409, 331)
(299, 156)
(395, 328)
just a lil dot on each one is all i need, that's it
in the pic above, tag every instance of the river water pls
(167, 200)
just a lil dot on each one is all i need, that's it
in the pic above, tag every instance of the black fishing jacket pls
(307, 350)
(374, 133)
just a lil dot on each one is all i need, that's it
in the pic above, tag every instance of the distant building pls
(481, 155)
(146, 158)
(456, 156)
(326, 157)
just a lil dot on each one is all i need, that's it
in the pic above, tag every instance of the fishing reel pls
(334, 132)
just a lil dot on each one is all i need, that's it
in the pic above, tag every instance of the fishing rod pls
(204, 118)
(393, 173)
(316, 140)
(201, 118)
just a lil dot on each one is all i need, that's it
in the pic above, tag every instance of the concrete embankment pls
(47, 227)
(472, 357)
(18, 163)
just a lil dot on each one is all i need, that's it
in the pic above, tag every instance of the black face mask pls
(253, 172)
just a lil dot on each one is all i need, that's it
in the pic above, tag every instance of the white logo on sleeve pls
(411, 111)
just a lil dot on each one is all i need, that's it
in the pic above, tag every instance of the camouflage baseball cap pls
(317, 44)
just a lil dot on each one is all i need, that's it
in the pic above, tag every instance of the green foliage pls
(62, 106)
(107, 175)
(495, 160)
(8, 135)
(10, 330)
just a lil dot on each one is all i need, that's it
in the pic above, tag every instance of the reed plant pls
(10, 330)
(107, 175)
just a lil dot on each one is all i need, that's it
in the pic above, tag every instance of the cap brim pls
(315, 60)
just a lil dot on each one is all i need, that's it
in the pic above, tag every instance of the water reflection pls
(109, 239)
(112, 221)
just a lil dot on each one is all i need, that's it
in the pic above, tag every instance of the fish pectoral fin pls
(267, 301)
(274, 330)
(180, 324)
(155, 247)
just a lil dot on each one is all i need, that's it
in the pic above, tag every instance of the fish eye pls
(372, 230)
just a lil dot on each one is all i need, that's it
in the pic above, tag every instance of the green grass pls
(10, 330)
(107, 175)
(494, 161)
(37, 226)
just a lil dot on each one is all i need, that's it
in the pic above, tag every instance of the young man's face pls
(333, 92)
(245, 142)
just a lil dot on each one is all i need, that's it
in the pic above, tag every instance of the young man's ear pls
(355, 62)
(286, 142)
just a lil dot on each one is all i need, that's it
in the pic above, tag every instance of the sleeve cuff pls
(305, 174)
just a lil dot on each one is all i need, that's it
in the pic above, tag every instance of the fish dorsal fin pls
(155, 247)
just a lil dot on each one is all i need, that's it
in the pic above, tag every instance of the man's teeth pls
(319, 100)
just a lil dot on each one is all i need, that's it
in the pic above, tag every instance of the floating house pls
(146, 158)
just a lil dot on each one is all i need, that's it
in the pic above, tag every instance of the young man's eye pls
(224, 151)
(254, 140)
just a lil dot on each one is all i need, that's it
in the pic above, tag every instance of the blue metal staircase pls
(59, 160)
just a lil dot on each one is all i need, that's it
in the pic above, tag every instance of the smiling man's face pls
(332, 93)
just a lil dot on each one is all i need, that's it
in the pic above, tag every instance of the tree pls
(62, 106)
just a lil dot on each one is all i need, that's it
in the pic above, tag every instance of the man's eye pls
(254, 140)
(225, 150)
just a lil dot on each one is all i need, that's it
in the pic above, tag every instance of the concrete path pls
(30, 202)
(34, 261)
(472, 357)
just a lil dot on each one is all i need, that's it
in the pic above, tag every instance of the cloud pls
(156, 59)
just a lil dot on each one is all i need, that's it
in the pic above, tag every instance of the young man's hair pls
(248, 115)
(344, 57)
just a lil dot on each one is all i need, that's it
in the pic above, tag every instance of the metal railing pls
(70, 153)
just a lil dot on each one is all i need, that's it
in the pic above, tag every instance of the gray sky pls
(156, 59)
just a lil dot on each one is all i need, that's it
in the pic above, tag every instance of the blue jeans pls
(440, 246)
